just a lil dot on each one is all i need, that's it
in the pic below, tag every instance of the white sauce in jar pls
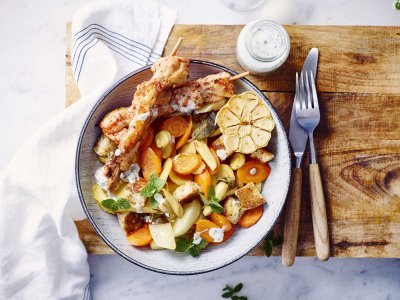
(262, 46)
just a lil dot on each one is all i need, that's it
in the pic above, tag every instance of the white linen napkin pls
(41, 255)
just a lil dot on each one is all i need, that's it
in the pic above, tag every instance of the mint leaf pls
(230, 292)
(396, 5)
(204, 199)
(211, 192)
(216, 207)
(227, 288)
(110, 204)
(238, 287)
(268, 245)
(202, 244)
(154, 202)
(182, 245)
(123, 204)
(153, 186)
(227, 294)
(194, 251)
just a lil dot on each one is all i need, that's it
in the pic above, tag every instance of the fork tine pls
(297, 95)
(314, 91)
(302, 92)
(308, 92)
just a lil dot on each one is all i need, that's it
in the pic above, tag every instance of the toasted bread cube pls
(187, 191)
(104, 148)
(262, 155)
(219, 147)
(249, 196)
(135, 188)
(233, 209)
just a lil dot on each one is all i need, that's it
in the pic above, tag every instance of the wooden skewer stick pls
(176, 47)
(241, 75)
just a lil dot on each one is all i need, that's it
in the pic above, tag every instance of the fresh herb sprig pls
(154, 185)
(269, 242)
(229, 292)
(396, 5)
(212, 201)
(185, 245)
(116, 204)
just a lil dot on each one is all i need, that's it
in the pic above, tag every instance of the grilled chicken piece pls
(130, 222)
(114, 124)
(186, 192)
(197, 93)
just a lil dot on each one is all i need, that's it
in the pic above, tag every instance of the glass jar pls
(262, 47)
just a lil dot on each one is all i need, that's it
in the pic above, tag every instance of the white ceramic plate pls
(215, 256)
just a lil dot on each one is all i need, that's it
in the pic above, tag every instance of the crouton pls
(249, 196)
(104, 148)
(187, 191)
(262, 155)
(233, 209)
(219, 147)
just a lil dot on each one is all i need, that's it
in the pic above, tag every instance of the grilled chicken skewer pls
(191, 95)
(168, 71)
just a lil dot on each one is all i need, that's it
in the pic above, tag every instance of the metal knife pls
(298, 141)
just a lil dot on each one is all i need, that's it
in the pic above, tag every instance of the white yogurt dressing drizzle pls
(132, 175)
(221, 153)
(101, 179)
(217, 234)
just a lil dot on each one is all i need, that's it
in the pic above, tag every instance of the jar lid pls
(266, 40)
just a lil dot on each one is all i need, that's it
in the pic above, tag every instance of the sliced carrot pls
(157, 150)
(251, 217)
(140, 237)
(179, 179)
(204, 181)
(184, 138)
(176, 125)
(186, 163)
(147, 138)
(228, 234)
(216, 159)
(203, 226)
(221, 221)
(150, 163)
(253, 171)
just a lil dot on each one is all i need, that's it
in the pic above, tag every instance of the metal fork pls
(308, 117)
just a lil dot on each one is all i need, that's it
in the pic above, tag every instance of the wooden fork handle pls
(292, 219)
(318, 209)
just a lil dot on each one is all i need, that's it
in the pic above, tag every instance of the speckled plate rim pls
(93, 223)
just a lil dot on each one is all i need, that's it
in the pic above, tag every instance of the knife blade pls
(297, 135)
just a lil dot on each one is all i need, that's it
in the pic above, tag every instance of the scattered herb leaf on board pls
(229, 292)
(269, 242)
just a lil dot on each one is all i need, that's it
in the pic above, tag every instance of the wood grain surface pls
(357, 141)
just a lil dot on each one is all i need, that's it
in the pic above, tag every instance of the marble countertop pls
(32, 85)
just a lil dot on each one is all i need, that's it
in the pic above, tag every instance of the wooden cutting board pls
(357, 141)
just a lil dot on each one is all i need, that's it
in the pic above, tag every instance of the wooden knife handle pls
(292, 219)
(318, 209)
